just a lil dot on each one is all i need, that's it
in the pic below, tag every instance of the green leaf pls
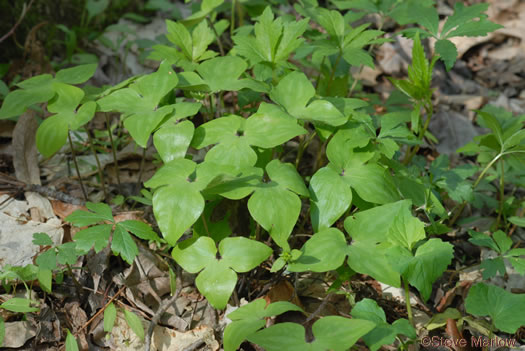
(51, 135)
(482, 240)
(67, 99)
(35, 90)
(180, 36)
(417, 12)
(47, 260)
(139, 229)
(276, 217)
(430, 261)
(97, 236)
(96, 7)
(519, 221)
(123, 245)
(357, 57)
(294, 92)
(2, 331)
(383, 333)
(440, 319)
(497, 303)
(193, 255)
(67, 253)
(110, 315)
(71, 342)
(83, 115)
(406, 230)
(274, 40)
(218, 130)
(492, 266)
(287, 176)
(468, 21)
(447, 52)
(202, 36)
(226, 78)
(330, 197)
(216, 282)
(236, 332)
(330, 333)
(372, 183)
(371, 259)
(76, 75)
(503, 241)
(173, 139)
(347, 138)
(81, 218)
(323, 252)
(134, 323)
(45, 278)
(176, 207)
(172, 172)
(42, 239)
(268, 130)
(18, 304)
(333, 22)
(373, 225)
(101, 209)
(140, 102)
(243, 254)
(173, 282)
(493, 123)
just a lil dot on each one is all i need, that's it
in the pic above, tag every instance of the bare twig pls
(319, 309)
(114, 151)
(42, 190)
(99, 167)
(141, 170)
(160, 311)
(25, 9)
(101, 310)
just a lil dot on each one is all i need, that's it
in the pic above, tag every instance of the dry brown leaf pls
(283, 291)
(25, 158)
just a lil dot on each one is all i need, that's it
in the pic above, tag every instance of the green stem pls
(411, 153)
(302, 147)
(232, 20)
(100, 171)
(141, 170)
(501, 193)
(218, 96)
(476, 183)
(332, 74)
(361, 67)
(113, 150)
(76, 166)
(319, 75)
(219, 42)
(407, 300)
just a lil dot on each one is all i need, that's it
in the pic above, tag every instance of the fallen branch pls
(42, 190)
(160, 311)
(25, 9)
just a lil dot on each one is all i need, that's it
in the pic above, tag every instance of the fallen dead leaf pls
(18, 333)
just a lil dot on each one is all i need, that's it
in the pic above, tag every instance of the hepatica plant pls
(267, 128)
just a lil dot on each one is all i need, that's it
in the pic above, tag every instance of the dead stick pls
(160, 311)
(24, 12)
(100, 311)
